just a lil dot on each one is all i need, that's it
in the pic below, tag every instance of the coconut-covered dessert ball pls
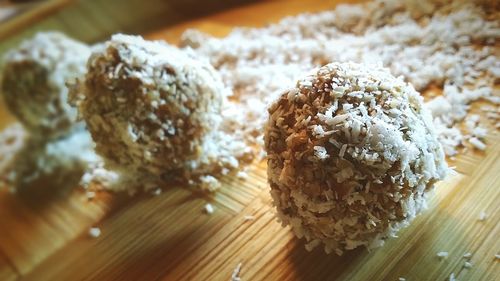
(351, 155)
(33, 82)
(148, 105)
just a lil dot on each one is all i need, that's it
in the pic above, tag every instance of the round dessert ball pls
(351, 155)
(33, 82)
(148, 105)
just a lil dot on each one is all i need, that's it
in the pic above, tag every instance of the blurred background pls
(94, 20)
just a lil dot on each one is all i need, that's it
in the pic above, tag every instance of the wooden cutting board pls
(44, 236)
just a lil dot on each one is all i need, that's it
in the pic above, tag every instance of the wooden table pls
(169, 237)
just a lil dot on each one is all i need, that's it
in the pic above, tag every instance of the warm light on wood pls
(170, 236)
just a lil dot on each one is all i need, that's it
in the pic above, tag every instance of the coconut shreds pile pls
(351, 154)
(157, 113)
(448, 44)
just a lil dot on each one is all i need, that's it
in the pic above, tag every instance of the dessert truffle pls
(33, 83)
(148, 105)
(352, 153)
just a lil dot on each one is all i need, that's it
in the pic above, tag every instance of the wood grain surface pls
(169, 237)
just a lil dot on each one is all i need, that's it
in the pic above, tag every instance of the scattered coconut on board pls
(235, 276)
(208, 208)
(442, 255)
(482, 216)
(94, 232)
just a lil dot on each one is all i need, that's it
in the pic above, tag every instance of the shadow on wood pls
(311, 265)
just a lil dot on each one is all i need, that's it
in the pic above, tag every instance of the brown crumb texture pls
(33, 82)
(351, 155)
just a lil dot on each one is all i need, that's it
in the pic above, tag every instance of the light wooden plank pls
(150, 235)
(35, 225)
(238, 193)
(7, 270)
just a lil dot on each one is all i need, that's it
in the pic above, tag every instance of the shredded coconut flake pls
(209, 209)
(235, 276)
(482, 216)
(248, 218)
(477, 143)
(94, 232)
(90, 195)
(242, 175)
(442, 255)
